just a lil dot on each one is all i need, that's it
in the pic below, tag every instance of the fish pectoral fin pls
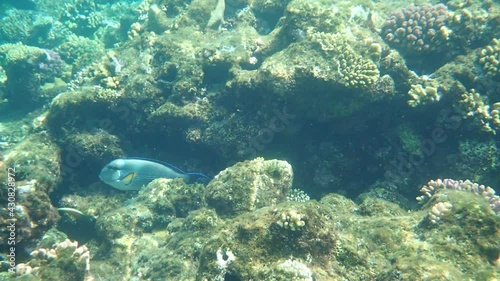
(127, 179)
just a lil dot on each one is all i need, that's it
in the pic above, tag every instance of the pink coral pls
(417, 29)
(486, 192)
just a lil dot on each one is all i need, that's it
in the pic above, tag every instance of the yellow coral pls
(489, 58)
(473, 105)
(426, 92)
(291, 220)
(354, 71)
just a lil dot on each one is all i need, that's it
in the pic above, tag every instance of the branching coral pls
(489, 58)
(353, 70)
(476, 106)
(426, 92)
(486, 192)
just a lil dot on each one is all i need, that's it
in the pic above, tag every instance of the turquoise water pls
(316, 123)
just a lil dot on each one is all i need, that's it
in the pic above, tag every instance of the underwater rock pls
(64, 261)
(34, 215)
(157, 20)
(37, 158)
(249, 185)
(486, 192)
(22, 66)
(155, 207)
(162, 196)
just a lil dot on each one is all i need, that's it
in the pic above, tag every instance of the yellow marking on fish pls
(128, 178)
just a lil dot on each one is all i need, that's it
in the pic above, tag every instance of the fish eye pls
(113, 167)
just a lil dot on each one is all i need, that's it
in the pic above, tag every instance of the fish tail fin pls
(197, 177)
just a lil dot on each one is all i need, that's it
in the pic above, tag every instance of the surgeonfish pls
(134, 173)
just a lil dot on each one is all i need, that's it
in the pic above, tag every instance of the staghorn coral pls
(489, 59)
(418, 29)
(486, 192)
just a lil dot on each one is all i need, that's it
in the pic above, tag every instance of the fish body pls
(134, 173)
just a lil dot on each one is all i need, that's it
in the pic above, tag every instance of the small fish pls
(71, 211)
(76, 215)
(134, 173)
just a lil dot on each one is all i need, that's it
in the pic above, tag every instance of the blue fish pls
(134, 173)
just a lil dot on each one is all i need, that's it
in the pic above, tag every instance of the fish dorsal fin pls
(159, 162)
(127, 179)
(199, 176)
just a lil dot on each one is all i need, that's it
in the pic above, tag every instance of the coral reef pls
(65, 261)
(470, 23)
(418, 30)
(168, 228)
(353, 70)
(363, 98)
(254, 184)
(26, 68)
(489, 58)
(439, 210)
(476, 106)
(426, 92)
(484, 191)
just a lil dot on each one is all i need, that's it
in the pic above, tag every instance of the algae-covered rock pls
(232, 251)
(37, 158)
(162, 195)
(22, 66)
(88, 107)
(248, 186)
(272, 239)
(125, 221)
(34, 215)
(64, 261)
(156, 205)
(469, 225)
(202, 219)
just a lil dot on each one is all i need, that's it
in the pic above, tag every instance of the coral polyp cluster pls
(418, 29)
